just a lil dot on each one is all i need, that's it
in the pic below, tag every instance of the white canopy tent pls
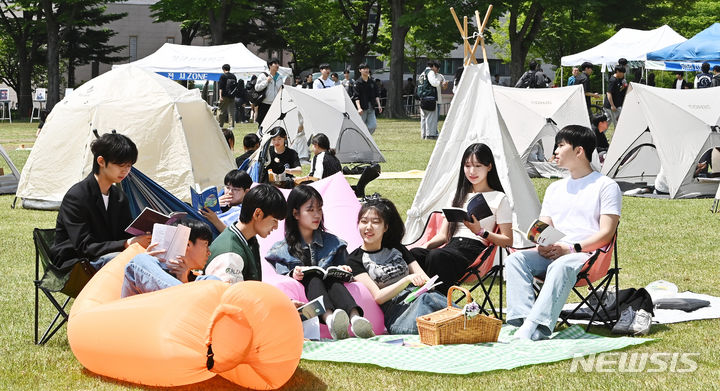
(535, 115)
(473, 117)
(329, 111)
(669, 129)
(183, 62)
(179, 142)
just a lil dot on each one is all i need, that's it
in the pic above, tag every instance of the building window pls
(170, 39)
(133, 48)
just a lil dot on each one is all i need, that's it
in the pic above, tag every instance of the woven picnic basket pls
(450, 326)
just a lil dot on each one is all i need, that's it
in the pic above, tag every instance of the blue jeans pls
(400, 317)
(368, 116)
(145, 273)
(103, 260)
(560, 277)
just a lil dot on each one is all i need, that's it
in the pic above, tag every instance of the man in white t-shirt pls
(586, 207)
(324, 81)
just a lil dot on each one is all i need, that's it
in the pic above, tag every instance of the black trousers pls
(335, 295)
(449, 262)
(261, 113)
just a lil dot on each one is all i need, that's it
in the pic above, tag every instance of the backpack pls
(716, 80)
(424, 89)
(704, 80)
(231, 86)
(528, 80)
(255, 97)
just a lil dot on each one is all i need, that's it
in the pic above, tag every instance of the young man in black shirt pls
(615, 96)
(226, 104)
(365, 94)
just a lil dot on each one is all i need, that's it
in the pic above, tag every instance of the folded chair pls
(482, 271)
(599, 277)
(55, 282)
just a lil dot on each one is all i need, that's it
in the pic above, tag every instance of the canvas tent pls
(329, 111)
(179, 142)
(184, 62)
(668, 128)
(8, 182)
(629, 43)
(535, 115)
(688, 55)
(473, 117)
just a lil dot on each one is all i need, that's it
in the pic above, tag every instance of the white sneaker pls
(361, 327)
(641, 323)
(337, 324)
(623, 324)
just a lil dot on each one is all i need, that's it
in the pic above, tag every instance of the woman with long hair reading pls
(464, 242)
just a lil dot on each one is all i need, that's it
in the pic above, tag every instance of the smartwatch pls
(577, 247)
(485, 234)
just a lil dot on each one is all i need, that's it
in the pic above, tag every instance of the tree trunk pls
(218, 21)
(71, 73)
(25, 90)
(395, 107)
(95, 69)
(521, 41)
(53, 57)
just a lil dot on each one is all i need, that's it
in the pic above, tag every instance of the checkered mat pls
(387, 351)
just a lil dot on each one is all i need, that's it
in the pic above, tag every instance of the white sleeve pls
(546, 209)
(503, 213)
(317, 84)
(433, 79)
(261, 82)
(610, 199)
(319, 166)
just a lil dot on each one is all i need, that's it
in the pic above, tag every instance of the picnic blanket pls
(675, 316)
(464, 359)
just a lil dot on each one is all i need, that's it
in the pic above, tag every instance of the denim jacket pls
(326, 250)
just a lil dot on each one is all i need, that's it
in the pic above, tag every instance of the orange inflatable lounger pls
(164, 338)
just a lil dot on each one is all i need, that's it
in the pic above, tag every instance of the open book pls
(477, 207)
(542, 234)
(172, 239)
(148, 217)
(207, 198)
(312, 309)
(331, 272)
(430, 284)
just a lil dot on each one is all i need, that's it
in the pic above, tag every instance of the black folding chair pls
(55, 282)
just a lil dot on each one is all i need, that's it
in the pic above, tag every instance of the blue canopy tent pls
(143, 192)
(688, 55)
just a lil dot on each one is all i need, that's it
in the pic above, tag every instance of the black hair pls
(114, 148)
(620, 68)
(334, 74)
(363, 66)
(680, 73)
(273, 61)
(228, 135)
(226, 67)
(483, 154)
(198, 229)
(716, 68)
(265, 197)
(251, 140)
(238, 178)
(297, 198)
(324, 66)
(278, 131)
(432, 63)
(347, 71)
(532, 65)
(578, 136)
(585, 65)
(322, 141)
(388, 213)
(458, 75)
(705, 67)
(597, 118)
(622, 61)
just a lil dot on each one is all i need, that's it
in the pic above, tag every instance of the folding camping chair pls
(53, 281)
(481, 270)
(598, 276)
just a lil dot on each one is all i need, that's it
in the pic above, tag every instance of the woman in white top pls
(462, 243)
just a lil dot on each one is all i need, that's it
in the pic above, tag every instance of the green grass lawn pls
(658, 239)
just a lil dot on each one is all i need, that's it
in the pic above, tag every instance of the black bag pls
(527, 80)
(428, 103)
(231, 87)
(255, 97)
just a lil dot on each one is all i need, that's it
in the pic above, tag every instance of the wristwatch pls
(577, 247)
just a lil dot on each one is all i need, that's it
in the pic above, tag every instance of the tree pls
(363, 18)
(182, 11)
(20, 21)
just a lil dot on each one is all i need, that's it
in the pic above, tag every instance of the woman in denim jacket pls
(308, 244)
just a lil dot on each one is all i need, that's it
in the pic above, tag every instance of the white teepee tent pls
(179, 142)
(535, 115)
(329, 111)
(473, 117)
(668, 128)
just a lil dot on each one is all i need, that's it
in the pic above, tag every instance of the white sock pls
(537, 335)
(526, 330)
